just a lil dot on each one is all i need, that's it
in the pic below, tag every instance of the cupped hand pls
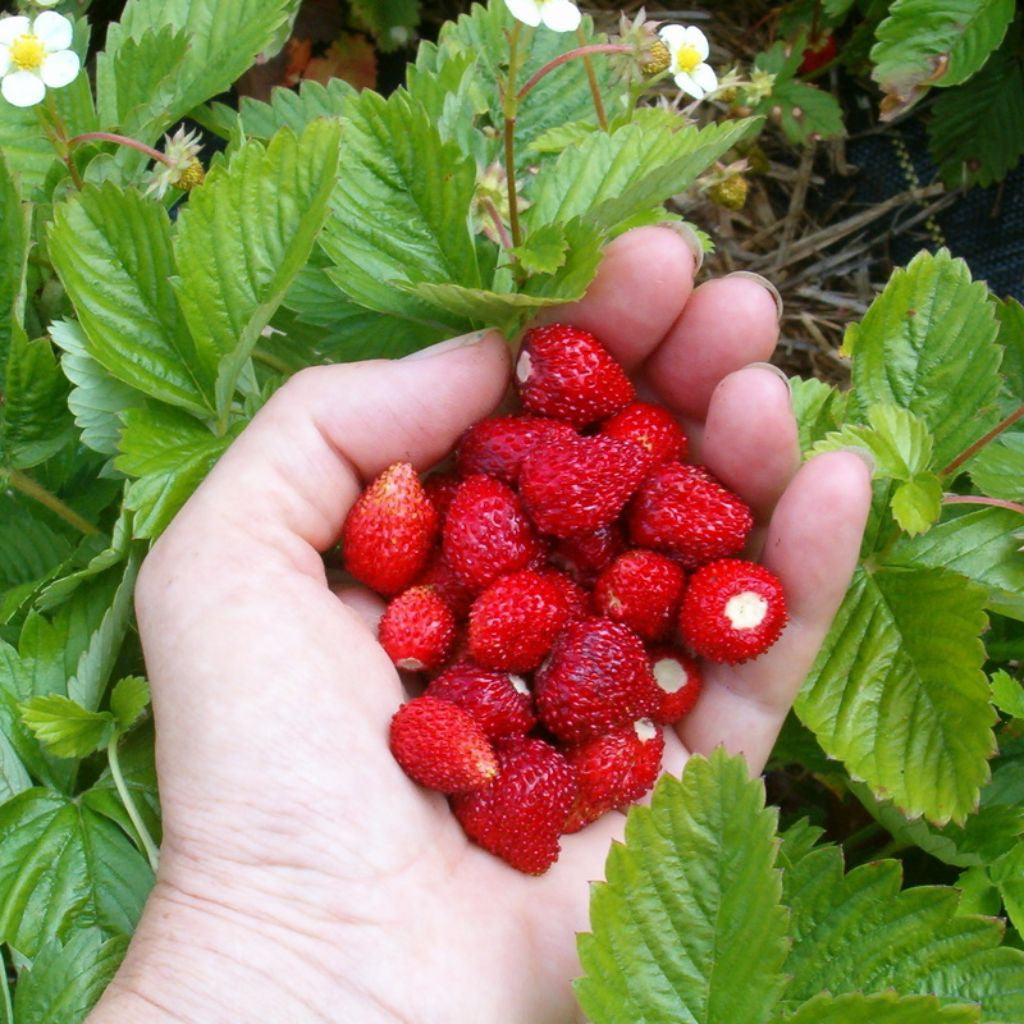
(303, 876)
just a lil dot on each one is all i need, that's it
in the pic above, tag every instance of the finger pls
(642, 284)
(726, 324)
(812, 545)
(750, 439)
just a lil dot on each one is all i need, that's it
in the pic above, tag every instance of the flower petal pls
(704, 75)
(697, 39)
(54, 30)
(673, 36)
(5, 59)
(686, 84)
(11, 28)
(526, 11)
(560, 15)
(60, 69)
(22, 89)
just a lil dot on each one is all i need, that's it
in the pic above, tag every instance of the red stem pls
(980, 499)
(121, 140)
(979, 444)
(499, 226)
(580, 51)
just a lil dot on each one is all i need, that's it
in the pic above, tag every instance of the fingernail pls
(689, 236)
(864, 455)
(781, 374)
(462, 341)
(749, 275)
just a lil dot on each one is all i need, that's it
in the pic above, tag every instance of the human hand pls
(303, 876)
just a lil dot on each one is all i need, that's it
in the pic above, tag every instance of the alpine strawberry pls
(501, 703)
(642, 589)
(678, 677)
(652, 427)
(417, 629)
(497, 447)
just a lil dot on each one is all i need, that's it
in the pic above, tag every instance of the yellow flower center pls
(687, 58)
(27, 52)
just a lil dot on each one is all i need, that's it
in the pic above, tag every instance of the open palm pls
(303, 876)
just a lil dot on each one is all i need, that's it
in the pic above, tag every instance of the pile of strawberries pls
(555, 589)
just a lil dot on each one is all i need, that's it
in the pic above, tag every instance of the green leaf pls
(65, 981)
(562, 136)
(1008, 875)
(65, 727)
(927, 344)
(1010, 314)
(895, 438)
(983, 545)
(998, 469)
(96, 397)
(391, 23)
(898, 682)
(15, 226)
(170, 453)
(128, 699)
(292, 109)
(223, 39)
(243, 237)
(934, 42)
(859, 932)
(63, 866)
(29, 547)
(609, 178)
(889, 1008)
(34, 423)
(976, 131)
(137, 80)
(804, 111)
(978, 894)
(1007, 694)
(400, 212)
(688, 926)
(818, 408)
(917, 503)
(112, 249)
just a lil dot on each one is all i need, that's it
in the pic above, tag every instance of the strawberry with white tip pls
(679, 679)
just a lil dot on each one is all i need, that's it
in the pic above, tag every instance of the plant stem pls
(121, 140)
(152, 853)
(580, 51)
(595, 92)
(980, 499)
(499, 224)
(979, 444)
(27, 486)
(57, 133)
(269, 359)
(509, 106)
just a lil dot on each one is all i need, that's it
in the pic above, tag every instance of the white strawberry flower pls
(689, 49)
(35, 54)
(557, 15)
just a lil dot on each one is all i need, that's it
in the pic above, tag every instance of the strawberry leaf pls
(998, 469)
(289, 108)
(889, 1008)
(243, 237)
(15, 223)
(65, 980)
(898, 682)
(917, 503)
(927, 344)
(859, 932)
(688, 925)
(65, 727)
(128, 699)
(1007, 694)
(63, 866)
(129, 313)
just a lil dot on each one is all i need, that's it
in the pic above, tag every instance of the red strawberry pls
(417, 629)
(573, 597)
(519, 816)
(652, 427)
(579, 484)
(597, 677)
(685, 512)
(584, 555)
(500, 702)
(565, 372)
(389, 531)
(498, 446)
(487, 534)
(678, 678)
(514, 622)
(642, 589)
(439, 575)
(615, 769)
(732, 611)
(441, 746)
(440, 489)
(818, 54)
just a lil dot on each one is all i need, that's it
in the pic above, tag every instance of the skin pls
(303, 877)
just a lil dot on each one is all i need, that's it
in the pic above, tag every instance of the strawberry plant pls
(150, 305)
